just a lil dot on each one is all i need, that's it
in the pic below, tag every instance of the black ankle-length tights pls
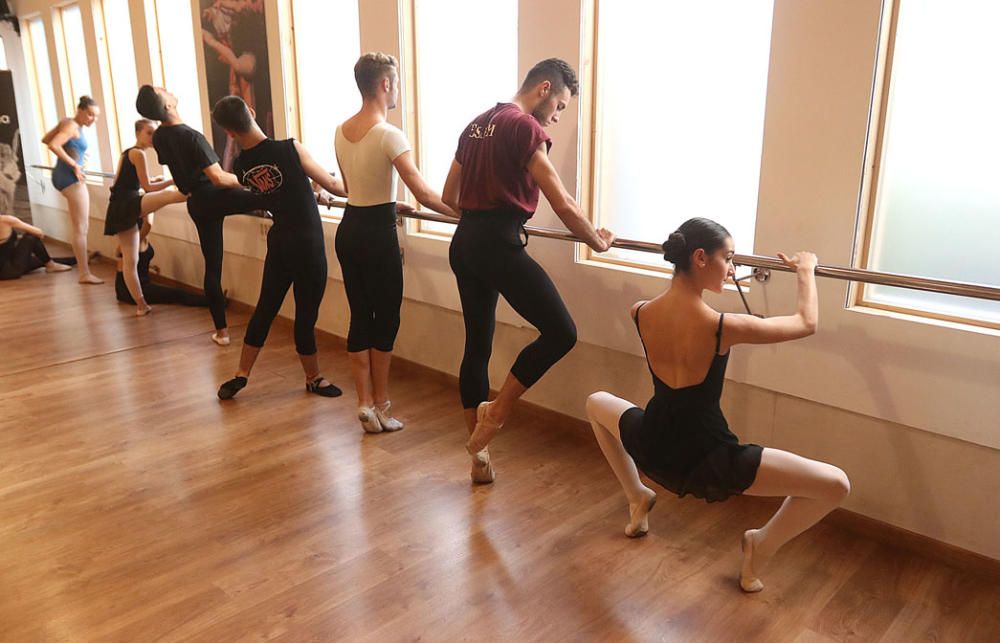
(26, 253)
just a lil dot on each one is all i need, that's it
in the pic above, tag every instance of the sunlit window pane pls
(121, 56)
(443, 39)
(3, 55)
(42, 74)
(177, 58)
(79, 76)
(681, 88)
(937, 209)
(325, 71)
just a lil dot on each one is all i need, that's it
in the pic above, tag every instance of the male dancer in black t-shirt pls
(296, 254)
(214, 193)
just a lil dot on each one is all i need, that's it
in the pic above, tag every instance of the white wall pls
(905, 407)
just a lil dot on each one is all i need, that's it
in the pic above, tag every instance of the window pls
(3, 55)
(323, 73)
(114, 42)
(173, 57)
(473, 42)
(40, 70)
(676, 105)
(77, 82)
(936, 196)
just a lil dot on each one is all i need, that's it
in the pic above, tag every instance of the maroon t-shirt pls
(494, 151)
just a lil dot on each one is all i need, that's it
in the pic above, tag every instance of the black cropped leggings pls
(488, 259)
(294, 263)
(26, 254)
(209, 208)
(368, 251)
(158, 294)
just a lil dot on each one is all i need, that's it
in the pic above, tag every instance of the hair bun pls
(675, 248)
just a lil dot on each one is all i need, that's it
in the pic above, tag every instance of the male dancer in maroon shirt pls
(501, 162)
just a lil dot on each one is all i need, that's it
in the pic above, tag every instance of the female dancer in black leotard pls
(681, 440)
(127, 206)
(154, 293)
(19, 256)
(279, 171)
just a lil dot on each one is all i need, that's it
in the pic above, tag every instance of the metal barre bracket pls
(763, 275)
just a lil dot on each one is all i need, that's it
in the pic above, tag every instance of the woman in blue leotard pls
(681, 439)
(67, 142)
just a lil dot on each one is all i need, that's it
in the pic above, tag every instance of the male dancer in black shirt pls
(213, 193)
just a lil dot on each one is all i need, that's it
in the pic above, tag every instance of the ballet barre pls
(762, 265)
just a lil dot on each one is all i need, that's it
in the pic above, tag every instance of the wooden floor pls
(134, 506)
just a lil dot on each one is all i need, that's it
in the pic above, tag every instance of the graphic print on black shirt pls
(263, 179)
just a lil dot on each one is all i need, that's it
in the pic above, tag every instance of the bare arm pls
(565, 206)
(453, 187)
(220, 178)
(747, 329)
(244, 64)
(17, 224)
(57, 138)
(315, 171)
(418, 186)
(142, 171)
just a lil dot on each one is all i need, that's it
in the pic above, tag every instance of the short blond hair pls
(371, 68)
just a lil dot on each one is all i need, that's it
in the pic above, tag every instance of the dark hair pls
(142, 123)
(371, 68)
(556, 71)
(232, 114)
(150, 104)
(693, 234)
(86, 102)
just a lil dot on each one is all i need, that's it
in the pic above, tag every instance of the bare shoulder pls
(634, 310)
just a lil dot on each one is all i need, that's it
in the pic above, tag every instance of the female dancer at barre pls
(370, 152)
(682, 440)
(67, 142)
(127, 207)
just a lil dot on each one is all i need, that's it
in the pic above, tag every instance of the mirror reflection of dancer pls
(296, 252)
(681, 440)
(213, 194)
(67, 142)
(501, 162)
(370, 153)
(10, 174)
(128, 205)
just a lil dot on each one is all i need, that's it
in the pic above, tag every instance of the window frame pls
(868, 202)
(111, 112)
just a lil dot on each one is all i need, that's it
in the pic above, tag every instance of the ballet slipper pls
(142, 312)
(220, 340)
(748, 580)
(388, 422)
(638, 524)
(231, 387)
(482, 468)
(369, 420)
(485, 430)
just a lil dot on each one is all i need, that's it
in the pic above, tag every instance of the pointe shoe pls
(748, 581)
(387, 422)
(638, 524)
(220, 340)
(145, 311)
(482, 468)
(485, 430)
(369, 421)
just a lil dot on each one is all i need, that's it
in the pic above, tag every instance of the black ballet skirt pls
(125, 204)
(682, 440)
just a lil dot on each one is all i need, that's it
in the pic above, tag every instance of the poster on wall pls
(236, 60)
(13, 184)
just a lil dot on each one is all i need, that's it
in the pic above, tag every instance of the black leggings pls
(208, 208)
(26, 254)
(488, 259)
(290, 262)
(368, 251)
(157, 294)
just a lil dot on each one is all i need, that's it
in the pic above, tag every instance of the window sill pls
(929, 319)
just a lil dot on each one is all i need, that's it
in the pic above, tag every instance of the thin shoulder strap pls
(635, 318)
(718, 333)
